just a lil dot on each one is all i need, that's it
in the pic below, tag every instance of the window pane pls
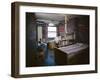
(51, 28)
(52, 34)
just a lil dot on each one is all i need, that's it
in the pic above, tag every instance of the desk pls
(77, 53)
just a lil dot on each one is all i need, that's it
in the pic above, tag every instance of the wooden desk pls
(77, 53)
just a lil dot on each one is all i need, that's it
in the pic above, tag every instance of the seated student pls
(49, 55)
(40, 42)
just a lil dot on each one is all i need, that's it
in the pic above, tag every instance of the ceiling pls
(50, 16)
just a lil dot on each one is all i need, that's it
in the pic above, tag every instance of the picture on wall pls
(51, 39)
(56, 39)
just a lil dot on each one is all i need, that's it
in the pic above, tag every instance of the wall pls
(39, 32)
(5, 41)
(80, 26)
(83, 28)
(31, 39)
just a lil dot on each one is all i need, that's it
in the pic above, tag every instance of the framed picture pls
(53, 39)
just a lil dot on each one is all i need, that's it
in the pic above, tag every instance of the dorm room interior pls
(54, 39)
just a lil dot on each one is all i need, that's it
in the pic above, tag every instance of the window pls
(52, 32)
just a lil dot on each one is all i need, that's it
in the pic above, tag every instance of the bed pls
(74, 54)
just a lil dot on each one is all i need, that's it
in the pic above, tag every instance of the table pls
(77, 53)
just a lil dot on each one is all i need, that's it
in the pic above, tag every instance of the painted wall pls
(31, 39)
(39, 32)
(80, 26)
